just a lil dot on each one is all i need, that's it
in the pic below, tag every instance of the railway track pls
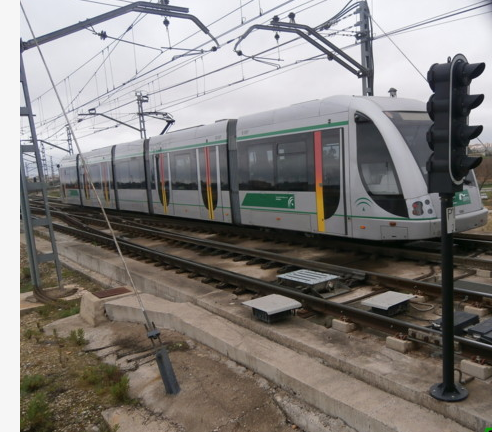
(467, 246)
(82, 227)
(348, 275)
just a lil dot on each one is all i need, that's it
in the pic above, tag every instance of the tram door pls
(162, 183)
(330, 184)
(106, 183)
(207, 157)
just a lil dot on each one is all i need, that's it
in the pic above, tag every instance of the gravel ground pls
(217, 395)
(52, 368)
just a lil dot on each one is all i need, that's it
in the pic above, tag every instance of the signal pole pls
(448, 165)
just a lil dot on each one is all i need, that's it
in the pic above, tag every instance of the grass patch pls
(77, 337)
(108, 380)
(119, 391)
(38, 416)
(31, 383)
(60, 309)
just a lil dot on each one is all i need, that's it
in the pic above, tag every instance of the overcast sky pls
(105, 74)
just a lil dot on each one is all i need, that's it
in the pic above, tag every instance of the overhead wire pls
(125, 84)
(231, 65)
(88, 176)
(144, 79)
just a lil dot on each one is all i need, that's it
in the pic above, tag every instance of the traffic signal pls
(462, 103)
(450, 134)
(438, 135)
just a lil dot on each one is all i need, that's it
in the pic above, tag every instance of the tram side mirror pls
(361, 118)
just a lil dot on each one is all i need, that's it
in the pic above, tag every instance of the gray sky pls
(105, 74)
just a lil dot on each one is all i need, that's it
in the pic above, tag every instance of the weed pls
(60, 309)
(38, 416)
(77, 337)
(102, 375)
(29, 333)
(72, 310)
(31, 383)
(119, 390)
(108, 379)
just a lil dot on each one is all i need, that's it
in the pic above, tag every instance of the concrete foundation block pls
(343, 326)
(92, 308)
(476, 370)
(399, 345)
(484, 273)
(481, 312)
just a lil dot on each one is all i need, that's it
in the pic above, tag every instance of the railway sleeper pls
(208, 280)
(270, 264)
(429, 339)
(254, 261)
(241, 258)
(287, 269)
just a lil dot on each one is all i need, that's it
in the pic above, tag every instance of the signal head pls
(466, 72)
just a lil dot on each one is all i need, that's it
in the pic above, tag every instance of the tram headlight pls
(417, 208)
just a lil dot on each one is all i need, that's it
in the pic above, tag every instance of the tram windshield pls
(413, 127)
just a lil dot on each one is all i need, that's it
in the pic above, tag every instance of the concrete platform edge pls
(358, 404)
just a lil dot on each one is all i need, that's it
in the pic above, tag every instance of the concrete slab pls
(360, 405)
(363, 357)
(28, 302)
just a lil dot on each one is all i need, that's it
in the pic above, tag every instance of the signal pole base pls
(455, 394)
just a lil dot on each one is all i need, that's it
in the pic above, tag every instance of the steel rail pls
(364, 318)
(369, 248)
(387, 281)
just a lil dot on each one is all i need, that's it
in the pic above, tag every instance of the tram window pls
(256, 167)
(331, 171)
(153, 168)
(130, 173)
(413, 126)
(291, 166)
(376, 168)
(183, 171)
(70, 177)
(212, 166)
(106, 175)
(95, 175)
(223, 165)
(137, 173)
(284, 163)
(122, 172)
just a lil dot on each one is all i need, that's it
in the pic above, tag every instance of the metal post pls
(141, 98)
(35, 257)
(448, 390)
(167, 372)
(69, 140)
(367, 59)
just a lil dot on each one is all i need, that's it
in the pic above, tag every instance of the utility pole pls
(35, 258)
(69, 140)
(366, 54)
(141, 99)
(52, 170)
